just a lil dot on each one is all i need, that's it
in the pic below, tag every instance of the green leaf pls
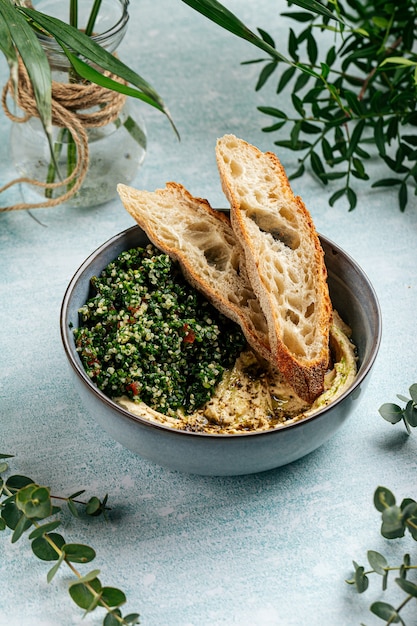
(45, 528)
(266, 72)
(219, 14)
(132, 618)
(2, 524)
(34, 501)
(298, 105)
(385, 611)
(413, 392)
(72, 508)
(93, 507)
(403, 196)
(336, 196)
(379, 137)
(316, 7)
(16, 482)
(386, 182)
(392, 523)
(22, 525)
(44, 548)
(86, 578)
(76, 494)
(285, 78)
(410, 414)
(312, 49)
(407, 586)
(55, 568)
(273, 112)
(78, 553)
(383, 498)
(361, 580)
(11, 514)
(3, 467)
(34, 59)
(391, 412)
(110, 619)
(113, 597)
(72, 39)
(81, 594)
(317, 166)
(377, 561)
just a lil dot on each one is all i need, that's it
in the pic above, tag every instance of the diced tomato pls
(189, 334)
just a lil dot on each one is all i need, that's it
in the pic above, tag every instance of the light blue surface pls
(270, 549)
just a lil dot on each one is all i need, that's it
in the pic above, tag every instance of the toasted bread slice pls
(284, 260)
(202, 241)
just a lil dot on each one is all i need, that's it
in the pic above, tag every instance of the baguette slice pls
(202, 241)
(284, 260)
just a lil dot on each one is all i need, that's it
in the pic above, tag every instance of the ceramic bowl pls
(225, 455)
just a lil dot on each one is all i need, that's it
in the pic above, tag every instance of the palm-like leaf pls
(21, 36)
(76, 42)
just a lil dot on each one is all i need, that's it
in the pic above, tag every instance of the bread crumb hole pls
(309, 310)
(235, 169)
(292, 316)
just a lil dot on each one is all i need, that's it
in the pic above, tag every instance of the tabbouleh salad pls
(148, 335)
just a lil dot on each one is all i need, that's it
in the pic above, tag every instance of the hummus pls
(254, 397)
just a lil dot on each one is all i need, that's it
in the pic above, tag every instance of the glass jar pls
(115, 150)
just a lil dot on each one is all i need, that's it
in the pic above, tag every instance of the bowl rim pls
(77, 367)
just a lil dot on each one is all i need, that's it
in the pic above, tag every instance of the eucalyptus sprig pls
(26, 505)
(393, 413)
(396, 520)
(348, 104)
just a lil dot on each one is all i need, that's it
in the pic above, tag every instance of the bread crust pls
(201, 239)
(284, 259)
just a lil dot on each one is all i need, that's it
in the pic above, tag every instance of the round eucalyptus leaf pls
(82, 595)
(78, 553)
(383, 497)
(132, 618)
(391, 412)
(11, 514)
(44, 550)
(110, 619)
(411, 413)
(407, 586)
(17, 482)
(45, 528)
(377, 561)
(413, 392)
(93, 506)
(385, 611)
(113, 597)
(34, 501)
(361, 580)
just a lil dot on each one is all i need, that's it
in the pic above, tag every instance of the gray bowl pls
(226, 455)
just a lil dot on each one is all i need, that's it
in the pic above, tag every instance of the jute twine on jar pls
(70, 109)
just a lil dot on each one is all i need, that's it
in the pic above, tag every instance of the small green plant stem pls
(92, 18)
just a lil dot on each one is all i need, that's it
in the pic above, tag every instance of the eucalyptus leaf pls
(383, 498)
(82, 595)
(377, 561)
(113, 597)
(44, 528)
(48, 547)
(78, 553)
(407, 586)
(55, 568)
(385, 611)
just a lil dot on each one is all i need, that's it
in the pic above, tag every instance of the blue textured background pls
(271, 549)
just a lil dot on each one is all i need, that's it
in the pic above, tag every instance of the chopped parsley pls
(147, 334)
